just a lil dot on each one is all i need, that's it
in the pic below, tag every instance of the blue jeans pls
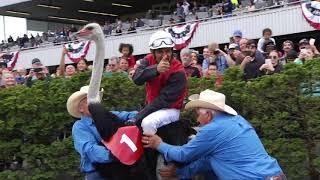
(93, 176)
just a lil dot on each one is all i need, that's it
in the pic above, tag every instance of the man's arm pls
(125, 115)
(86, 144)
(144, 72)
(205, 143)
(197, 167)
(168, 95)
(228, 59)
(260, 44)
(205, 64)
(62, 62)
(245, 61)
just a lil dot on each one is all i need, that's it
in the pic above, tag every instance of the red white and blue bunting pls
(182, 34)
(76, 51)
(311, 12)
(10, 58)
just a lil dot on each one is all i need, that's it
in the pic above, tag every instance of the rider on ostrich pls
(95, 122)
(166, 84)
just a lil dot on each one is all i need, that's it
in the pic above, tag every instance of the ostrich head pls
(90, 31)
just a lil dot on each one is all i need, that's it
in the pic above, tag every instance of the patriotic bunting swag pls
(10, 59)
(182, 35)
(77, 50)
(311, 12)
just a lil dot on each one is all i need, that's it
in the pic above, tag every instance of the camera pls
(37, 70)
(216, 52)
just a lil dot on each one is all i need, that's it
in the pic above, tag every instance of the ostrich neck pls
(97, 70)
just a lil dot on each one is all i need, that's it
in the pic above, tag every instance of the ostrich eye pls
(90, 28)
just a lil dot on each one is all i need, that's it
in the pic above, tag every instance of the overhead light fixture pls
(121, 5)
(69, 19)
(99, 13)
(48, 6)
(17, 12)
(88, 0)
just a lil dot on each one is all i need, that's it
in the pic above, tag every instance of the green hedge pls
(35, 126)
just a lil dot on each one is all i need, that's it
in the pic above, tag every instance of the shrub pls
(35, 127)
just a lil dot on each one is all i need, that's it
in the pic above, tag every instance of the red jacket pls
(154, 86)
(131, 61)
(163, 90)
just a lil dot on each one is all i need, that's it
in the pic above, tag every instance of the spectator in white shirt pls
(185, 6)
(266, 33)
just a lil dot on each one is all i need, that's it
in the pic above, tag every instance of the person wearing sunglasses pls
(272, 64)
(166, 84)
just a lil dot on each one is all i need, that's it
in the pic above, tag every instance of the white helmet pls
(161, 39)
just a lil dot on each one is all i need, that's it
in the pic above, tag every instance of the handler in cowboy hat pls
(226, 146)
(86, 139)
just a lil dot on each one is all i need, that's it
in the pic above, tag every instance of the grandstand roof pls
(64, 10)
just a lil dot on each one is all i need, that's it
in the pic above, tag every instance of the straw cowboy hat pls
(75, 98)
(210, 100)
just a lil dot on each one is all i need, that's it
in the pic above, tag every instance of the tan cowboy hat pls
(210, 100)
(75, 98)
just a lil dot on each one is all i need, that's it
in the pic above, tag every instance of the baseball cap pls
(36, 61)
(303, 42)
(237, 33)
(233, 46)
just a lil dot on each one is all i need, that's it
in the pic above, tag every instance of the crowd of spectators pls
(256, 58)
(26, 42)
(183, 11)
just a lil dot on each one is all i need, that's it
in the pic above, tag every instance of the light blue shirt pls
(86, 141)
(221, 62)
(228, 146)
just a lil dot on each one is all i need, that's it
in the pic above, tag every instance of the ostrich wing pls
(107, 123)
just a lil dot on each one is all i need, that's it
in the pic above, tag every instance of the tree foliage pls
(35, 128)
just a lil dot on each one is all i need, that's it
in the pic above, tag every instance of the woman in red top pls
(126, 50)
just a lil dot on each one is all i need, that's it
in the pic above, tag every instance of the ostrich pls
(107, 124)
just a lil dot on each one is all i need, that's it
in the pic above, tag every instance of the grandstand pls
(263, 55)
(284, 18)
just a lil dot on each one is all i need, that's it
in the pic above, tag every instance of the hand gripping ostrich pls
(106, 122)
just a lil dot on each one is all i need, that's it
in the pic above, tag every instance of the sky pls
(12, 26)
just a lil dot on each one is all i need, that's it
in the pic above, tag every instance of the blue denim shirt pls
(227, 146)
(220, 61)
(86, 139)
